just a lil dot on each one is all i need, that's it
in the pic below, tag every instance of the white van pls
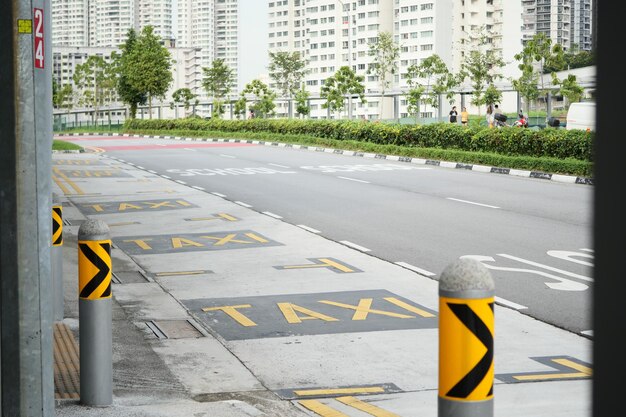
(581, 116)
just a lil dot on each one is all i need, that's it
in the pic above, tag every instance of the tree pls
(343, 82)
(218, 82)
(184, 96)
(302, 106)
(536, 54)
(262, 100)
(287, 69)
(492, 95)
(95, 80)
(63, 97)
(125, 91)
(568, 88)
(482, 66)
(149, 65)
(386, 54)
(437, 81)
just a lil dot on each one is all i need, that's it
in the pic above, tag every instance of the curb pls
(446, 164)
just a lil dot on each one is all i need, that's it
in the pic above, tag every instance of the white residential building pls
(550, 17)
(335, 33)
(70, 22)
(212, 26)
(581, 28)
(109, 22)
(158, 14)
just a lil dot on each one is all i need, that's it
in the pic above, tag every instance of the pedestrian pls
(496, 110)
(464, 117)
(489, 116)
(251, 114)
(453, 113)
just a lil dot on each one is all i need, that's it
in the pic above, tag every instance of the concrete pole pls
(26, 364)
(466, 334)
(94, 312)
(56, 254)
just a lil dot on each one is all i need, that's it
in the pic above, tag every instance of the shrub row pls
(513, 141)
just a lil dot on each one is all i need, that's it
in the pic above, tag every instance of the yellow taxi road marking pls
(408, 307)
(321, 409)
(335, 391)
(167, 274)
(140, 242)
(234, 314)
(289, 311)
(583, 372)
(67, 180)
(123, 223)
(366, 407)
(218, 216)
(139, 205)
(363, 308)
(325, 263)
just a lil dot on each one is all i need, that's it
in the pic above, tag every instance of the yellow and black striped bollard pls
(56, 258)
(466, 340)
(94, 288)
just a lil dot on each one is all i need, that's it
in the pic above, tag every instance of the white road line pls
(218, 194)
(227, 156)
(130, 163)
(471, 202)
(354, 246)
(508, 303)
(190, 149)
(278, 165)
(241, 203)
(276, 216)
(307, 228)
(586, 250)
(151, 171)
(165, 176)
(197, 188)
(416, 269)
(587, 332)
(549, 268)
(354, 179)
(181, 182)
(140, 167)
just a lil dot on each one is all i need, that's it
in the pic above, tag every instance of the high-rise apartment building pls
(330, 34)
(550, 17)
(70, 25)
(158, 14)
(213, 26)
(109, 21)
(581, 28)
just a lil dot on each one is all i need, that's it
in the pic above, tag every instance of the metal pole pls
(26, 360)
(94, 312)
(56, 254)
(466, 334)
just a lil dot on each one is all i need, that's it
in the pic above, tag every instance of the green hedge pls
(512, 141)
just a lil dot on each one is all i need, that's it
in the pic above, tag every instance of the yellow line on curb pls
(321, 409)
(366, 407)
(62, 186)
(69, 181)
(166, 274)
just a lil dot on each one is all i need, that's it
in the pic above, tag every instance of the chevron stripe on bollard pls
(56, 258)
(466, 336)
(94, 289)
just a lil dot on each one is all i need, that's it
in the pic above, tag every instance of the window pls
(427, 6)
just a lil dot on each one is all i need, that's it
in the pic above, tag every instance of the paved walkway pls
(219, 310)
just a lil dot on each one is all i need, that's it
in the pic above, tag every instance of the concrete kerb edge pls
(445, 164)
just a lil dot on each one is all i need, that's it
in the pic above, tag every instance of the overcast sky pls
(253, 40)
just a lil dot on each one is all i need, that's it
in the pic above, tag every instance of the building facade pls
(550, 17)
(581, 27)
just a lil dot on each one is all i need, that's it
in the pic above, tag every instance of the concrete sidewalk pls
(221, 311)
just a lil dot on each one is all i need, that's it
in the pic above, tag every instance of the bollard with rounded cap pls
(466, 340)
(94, 288)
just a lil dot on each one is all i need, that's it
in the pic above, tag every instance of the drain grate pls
(176, 329)
(129, 277)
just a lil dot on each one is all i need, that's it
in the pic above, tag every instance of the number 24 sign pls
(39, 44)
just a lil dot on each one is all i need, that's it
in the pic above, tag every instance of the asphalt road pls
(534, 235)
